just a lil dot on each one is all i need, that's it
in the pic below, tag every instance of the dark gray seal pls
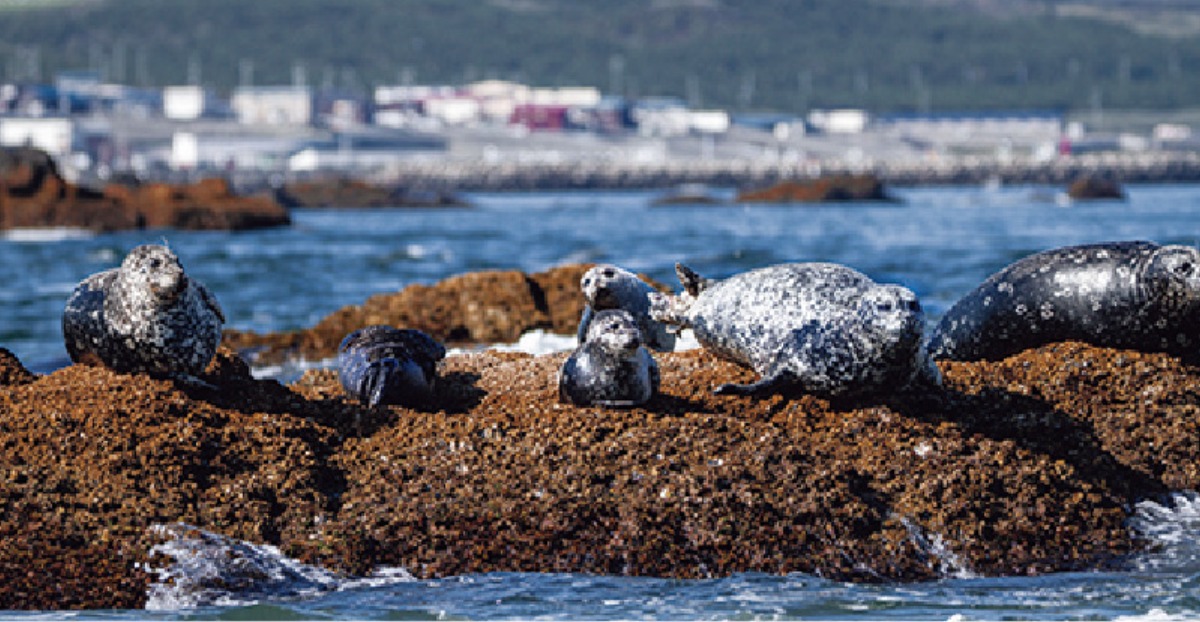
(609, 287)
(386, 365)
(145, 316)
(610, 368)
(819, 328)
(1135, 295)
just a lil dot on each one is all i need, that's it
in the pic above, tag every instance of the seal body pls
(610, 368)
(819, 328)
(1135, 295)
(609, 287)
(386, 365)
(145, 316)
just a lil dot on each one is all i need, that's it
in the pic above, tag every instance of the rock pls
(474, 308)
(1091, 188)
(343, 192)
(1021, 466)
(824, 189)
(12, 372)
(33, 194)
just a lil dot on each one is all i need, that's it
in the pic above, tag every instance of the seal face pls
(609, 287)
(610, 368)
(821, 328)
(1136, 295)
(385, 365)
(144, 316)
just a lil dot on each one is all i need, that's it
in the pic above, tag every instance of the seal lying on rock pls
(1135, 295)
(610, 368)
(609, 287)
(386, 365)
(821, 328)
(145, 316)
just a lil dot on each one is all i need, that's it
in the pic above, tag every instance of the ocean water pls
(940, 242)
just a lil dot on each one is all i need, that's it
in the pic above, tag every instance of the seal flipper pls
(692, 283)
(768, 385)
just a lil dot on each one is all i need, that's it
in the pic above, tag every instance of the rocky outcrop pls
(1023, 466)
(34, 194)
(473, 308)
(1092, 188)
(820, 190)
(345, 192)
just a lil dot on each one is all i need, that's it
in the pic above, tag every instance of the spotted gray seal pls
(610, 368)
(609, 287)
(385, 365)
(1137, 295)
(821, 328)
(145, 316)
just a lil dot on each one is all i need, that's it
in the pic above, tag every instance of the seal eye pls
(1184, 269)
(587, 282)
(609, 273)
(155, 263)
(885, 306)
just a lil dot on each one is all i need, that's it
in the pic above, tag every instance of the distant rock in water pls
(34, 194)
(1092, 188)
(344, 192)
(821, 190)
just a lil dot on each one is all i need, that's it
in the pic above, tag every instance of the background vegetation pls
(746, 55)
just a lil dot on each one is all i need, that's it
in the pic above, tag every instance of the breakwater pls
(478, 175)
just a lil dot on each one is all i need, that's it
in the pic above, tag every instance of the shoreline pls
(477, 176)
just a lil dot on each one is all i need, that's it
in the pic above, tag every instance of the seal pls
(385, 365)
(819, 328)
(1134, 295)
(610, 368)
(145, 316)
(609, 287)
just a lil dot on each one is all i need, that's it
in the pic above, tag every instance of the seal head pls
(382, 365)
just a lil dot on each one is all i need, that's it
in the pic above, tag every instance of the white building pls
(273, 105)
(54, 135)
(840, 121)
(184, 103)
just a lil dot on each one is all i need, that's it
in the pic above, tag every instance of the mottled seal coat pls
(386, 365)
(610, 368)
(610, 287)
(145, 316)
(1135, 295)
(821, 328)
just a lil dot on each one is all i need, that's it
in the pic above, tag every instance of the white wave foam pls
(208, 569)
(1173, 529)
(538, 342)
(950, 565)
(290, 370)
(47, 234)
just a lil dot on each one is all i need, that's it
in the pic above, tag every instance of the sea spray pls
(209, 569)
(934, 547)
(1172, 526)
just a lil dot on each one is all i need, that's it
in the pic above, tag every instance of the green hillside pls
(784, 55)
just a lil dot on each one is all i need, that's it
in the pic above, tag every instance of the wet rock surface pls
(1026, 465)
(34, 194)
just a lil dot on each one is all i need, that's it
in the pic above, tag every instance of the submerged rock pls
(1022, 466)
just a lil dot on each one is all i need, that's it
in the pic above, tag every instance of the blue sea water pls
(940, 242)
